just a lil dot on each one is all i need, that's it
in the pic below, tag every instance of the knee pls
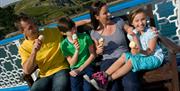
(123, 56)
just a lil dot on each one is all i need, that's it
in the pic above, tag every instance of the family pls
(67, 64)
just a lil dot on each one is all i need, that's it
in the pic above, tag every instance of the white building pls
(5, 3)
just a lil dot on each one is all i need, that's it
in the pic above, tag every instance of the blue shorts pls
(140, 62)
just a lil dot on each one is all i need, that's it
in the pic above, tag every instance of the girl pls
(148, 57)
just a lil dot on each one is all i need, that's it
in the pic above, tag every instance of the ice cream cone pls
(41, 38)
(75, 38)
(132, 44)
(101, 42)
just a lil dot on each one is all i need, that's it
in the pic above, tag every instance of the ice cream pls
(74, 37)
(41, 37)
(132, 44)
(101, 41)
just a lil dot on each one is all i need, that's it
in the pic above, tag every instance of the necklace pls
(103, 31)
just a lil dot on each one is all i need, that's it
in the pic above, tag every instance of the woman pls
(114, 44)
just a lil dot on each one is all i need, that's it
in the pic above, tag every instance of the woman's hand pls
(99, 49)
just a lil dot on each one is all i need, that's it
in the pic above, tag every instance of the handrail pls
(171, 46)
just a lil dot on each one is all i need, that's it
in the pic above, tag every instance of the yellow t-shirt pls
(49, 58)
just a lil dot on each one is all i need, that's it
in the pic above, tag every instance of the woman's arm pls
(128, 28)
(98, 48)
(82, 22)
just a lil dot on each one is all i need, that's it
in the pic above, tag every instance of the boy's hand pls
(76, 45)
(74, 72)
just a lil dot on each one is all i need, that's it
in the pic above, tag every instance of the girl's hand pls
(74, 72)
(76, 45)
(155, 30)
(99, 49)
(134, 51)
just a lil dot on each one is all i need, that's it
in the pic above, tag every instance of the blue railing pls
(116, 8)
(19, 88)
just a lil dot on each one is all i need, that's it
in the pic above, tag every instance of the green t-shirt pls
(68, 49)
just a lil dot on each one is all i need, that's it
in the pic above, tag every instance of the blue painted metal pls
(2, 42)
(116, 7)
(19, 88)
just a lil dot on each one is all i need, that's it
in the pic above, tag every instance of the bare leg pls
(116, 65)
(123, 70)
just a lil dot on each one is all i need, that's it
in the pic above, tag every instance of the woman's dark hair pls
(95, 10)
(65, 24)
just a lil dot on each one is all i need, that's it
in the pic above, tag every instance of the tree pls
(7, 19)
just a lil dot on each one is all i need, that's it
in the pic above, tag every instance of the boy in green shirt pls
(79, 52)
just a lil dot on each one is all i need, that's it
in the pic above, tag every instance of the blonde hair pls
(135, 12)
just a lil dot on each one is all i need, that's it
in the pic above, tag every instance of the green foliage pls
(7, 19)
(43, 10)
(54, 8)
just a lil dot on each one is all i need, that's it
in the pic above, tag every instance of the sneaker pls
(93, 82)
(96, 85)
(100, 80)
(87, 78)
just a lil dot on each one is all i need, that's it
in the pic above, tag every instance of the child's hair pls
(65, 24)
(95, 10)
(134, 12)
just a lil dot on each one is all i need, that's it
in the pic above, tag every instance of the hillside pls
(45, 10)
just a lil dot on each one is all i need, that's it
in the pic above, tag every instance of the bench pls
(165, 76)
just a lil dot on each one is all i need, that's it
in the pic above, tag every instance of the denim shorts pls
(140, 62)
